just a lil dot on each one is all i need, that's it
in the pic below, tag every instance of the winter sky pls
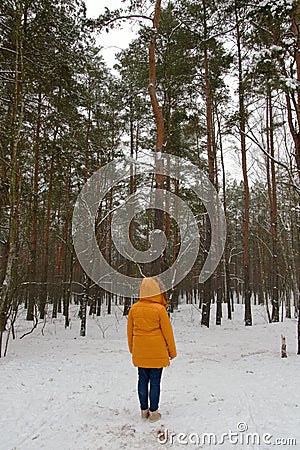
(118, 39)
(115, 40)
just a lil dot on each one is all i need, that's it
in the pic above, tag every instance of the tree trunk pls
(227, 287)
(296, 133)
(160, 134)
(298, 326)
(34, 289)
(68, 256)
(83, 308)
(14, 185)
(283, 347)
(242, 125)
(133, 147)
(109, 247)
(272, 192)
(211, 169)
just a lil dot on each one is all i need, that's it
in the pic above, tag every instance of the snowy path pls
(63, 392)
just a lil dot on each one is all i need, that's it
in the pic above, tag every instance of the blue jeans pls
(145, 376)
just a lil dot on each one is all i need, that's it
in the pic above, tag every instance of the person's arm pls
(167, 332)
(130, 330)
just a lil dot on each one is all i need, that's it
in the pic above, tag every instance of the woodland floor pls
(59, 391)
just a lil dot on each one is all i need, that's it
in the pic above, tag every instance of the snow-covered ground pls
(63, 392)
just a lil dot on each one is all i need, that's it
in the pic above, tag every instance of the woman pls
(151, 343)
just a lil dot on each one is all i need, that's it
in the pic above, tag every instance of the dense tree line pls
(223, 75)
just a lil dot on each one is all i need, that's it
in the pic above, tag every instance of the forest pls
(213, 82)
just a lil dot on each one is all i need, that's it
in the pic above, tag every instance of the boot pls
(145, 413)
(154, 416)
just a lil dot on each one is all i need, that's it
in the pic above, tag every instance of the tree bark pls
(296, 133)
(208, 294)
(14, 185)
(226, 253)
(298, 353)
(34, 289)
(83, 306)
(272, 192)
(242, 125)
(160, 134)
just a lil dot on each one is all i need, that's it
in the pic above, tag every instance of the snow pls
(291, 83)
(264, 54)
(276, 5)
(61, 391)
(288, 41)
(275, 48)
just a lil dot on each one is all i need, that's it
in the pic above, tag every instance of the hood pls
(150, 291)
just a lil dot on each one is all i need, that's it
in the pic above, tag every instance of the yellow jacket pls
(149, 330)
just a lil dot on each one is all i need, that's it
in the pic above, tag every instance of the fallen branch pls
(36, 321)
